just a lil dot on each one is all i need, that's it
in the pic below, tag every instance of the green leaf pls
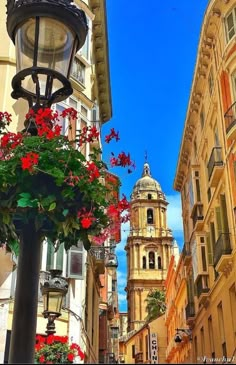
(25, 195)
(65, 212)
(52, 206)
(14, 246)
(23, 203)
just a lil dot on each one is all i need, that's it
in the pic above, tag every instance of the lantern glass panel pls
(51, 47)
(53, 302)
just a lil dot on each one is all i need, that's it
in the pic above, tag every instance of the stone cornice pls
(101, 59)
(207, 41)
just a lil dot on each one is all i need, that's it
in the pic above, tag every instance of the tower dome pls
(146, 184)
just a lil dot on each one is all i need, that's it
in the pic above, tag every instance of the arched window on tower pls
(151, 257)
(144, 262)
(150, 216)
(159, 262)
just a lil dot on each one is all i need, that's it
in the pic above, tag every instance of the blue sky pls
(152, 53)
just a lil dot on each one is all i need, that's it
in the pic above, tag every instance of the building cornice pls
(101, 59)
(207, 41)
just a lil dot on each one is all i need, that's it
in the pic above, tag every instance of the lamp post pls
(47, 34)
(53, 292)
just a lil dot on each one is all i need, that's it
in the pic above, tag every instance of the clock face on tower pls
(150, 230)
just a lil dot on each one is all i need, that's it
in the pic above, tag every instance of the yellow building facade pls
(90, 79)
(206, 179)
(146, 345)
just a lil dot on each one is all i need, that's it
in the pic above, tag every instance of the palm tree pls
(155, 304)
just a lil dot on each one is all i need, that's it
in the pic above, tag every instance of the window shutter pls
(224, 216)
(218, 220)
(209, 250)
(75, 263)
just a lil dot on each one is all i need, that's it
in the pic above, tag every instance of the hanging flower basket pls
(56, 350)
(46, 181)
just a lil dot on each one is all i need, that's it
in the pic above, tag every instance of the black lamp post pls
(47, 34)
(53, 291)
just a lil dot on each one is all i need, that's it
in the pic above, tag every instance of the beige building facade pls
(206, 179)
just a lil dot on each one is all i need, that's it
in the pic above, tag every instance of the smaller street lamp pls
(53, 291)
(178, 335)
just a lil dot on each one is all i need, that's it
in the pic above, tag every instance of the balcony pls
(230, 122)
(202, 289)
(112, 305)
(139, 358)
(197, 216)
(186, 252)
(78, 71)
(190, 313)
(222, 252)
(98, 255)
(215, 166)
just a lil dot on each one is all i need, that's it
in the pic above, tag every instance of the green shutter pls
(50, 255)
(209, 250)
(224, 216)
(218, 221)
(60, 254)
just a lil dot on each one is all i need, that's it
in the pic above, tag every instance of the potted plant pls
(45, 180)
(56, 350)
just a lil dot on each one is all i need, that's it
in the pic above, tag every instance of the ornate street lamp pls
(53, 292)
(179, 333)
(47, 34)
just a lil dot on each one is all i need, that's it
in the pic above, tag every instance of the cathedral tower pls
(149, 246)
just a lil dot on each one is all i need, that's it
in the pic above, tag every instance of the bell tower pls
(149, 246)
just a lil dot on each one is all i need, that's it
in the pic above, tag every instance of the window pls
(54, 259)
(159, 262)
(221, 328)
(75, 261)
(78, 71)
(211, 336)
(210, 81)
(144, 262)
(203, 256)
(232, 296)
(202, 342)
(150, 216)
(230, 25)
(114, 285)
(202, 118)
(114, 332)
(83, 148)
(133, 351)
(149, 196)
(151, 256)
(146, 346)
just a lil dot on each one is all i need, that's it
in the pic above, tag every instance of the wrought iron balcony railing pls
(214, 160)
(186, 249)
(222, 247)
(139, 358)
(230, 117)
(190, 310)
